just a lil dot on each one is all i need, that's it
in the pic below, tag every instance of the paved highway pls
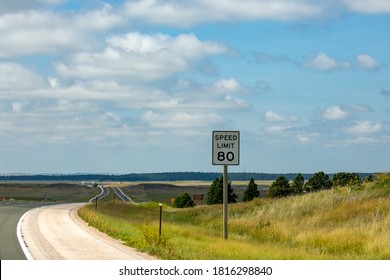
(10, 213)
(104, 191)
(57, 233)
(122, 195)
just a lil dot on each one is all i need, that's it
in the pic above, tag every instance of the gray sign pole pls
(225, 201)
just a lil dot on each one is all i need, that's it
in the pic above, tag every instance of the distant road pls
(104, 192)
(57, 233)
(10, 213)
(122, 195)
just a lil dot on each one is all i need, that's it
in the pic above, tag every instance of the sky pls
(138, 86)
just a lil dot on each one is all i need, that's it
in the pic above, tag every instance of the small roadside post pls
(225, 151)
(159, 231)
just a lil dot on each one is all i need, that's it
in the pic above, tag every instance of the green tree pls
(319, 181)
(343, 179)
(251, 192)
(215, 194)
(298, 184)
(369, 178)
(184, 201)
(280, 187)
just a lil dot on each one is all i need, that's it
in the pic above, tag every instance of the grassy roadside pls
(335, 224)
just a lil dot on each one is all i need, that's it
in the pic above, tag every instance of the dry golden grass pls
(335, 224)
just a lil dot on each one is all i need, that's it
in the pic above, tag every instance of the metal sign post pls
(225, 201)
(226, 151)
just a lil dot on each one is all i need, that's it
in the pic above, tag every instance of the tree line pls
(319, 181)
(280, 187)
(161, 176)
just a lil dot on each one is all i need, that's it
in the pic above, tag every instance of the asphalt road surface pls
(122, 195)
(104, 192)
(56, 232)
(10, 213)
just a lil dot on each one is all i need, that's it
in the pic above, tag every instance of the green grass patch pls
(335, 224)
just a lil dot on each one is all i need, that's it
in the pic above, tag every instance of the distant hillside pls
(145, 177)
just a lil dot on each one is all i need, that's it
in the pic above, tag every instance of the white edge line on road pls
(19, 234)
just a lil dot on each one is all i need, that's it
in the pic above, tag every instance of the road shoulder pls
(58, 233)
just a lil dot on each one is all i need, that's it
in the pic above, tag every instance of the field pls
(138, 191)
(342, 223)
(44, 191)
(165, 191)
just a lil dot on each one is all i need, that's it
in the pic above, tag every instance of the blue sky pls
(139, 86)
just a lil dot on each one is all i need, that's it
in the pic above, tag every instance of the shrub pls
(215, 194)
(251, 192)
(183, 201)
(280, 187)
(344, 179)
(382, 180)
(298, 184)
(319, 181)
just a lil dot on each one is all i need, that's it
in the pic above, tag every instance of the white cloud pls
(34, 32)
(366, 61)
(278, 128)
(368, 6)
(194, 97)
(141, 57)
(17, 5)
(228, 86)
(187, 45)
(40, 31)
(139, 43)
(335, 113)
(275, 117)
(364, 127)
(17, 77)
(112, 117)
(323, 62)
(234, 102)
(188, 13)
(128, 95)
(53, 82)
(309, 137)
(17, 107)
(98, 19)
(180, 120)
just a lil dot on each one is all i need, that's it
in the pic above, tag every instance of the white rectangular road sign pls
(226, 147)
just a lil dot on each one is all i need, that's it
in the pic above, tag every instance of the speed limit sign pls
(226, 147)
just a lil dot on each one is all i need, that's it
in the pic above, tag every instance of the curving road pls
(104, 191)
(10, 214)
(57, 233)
